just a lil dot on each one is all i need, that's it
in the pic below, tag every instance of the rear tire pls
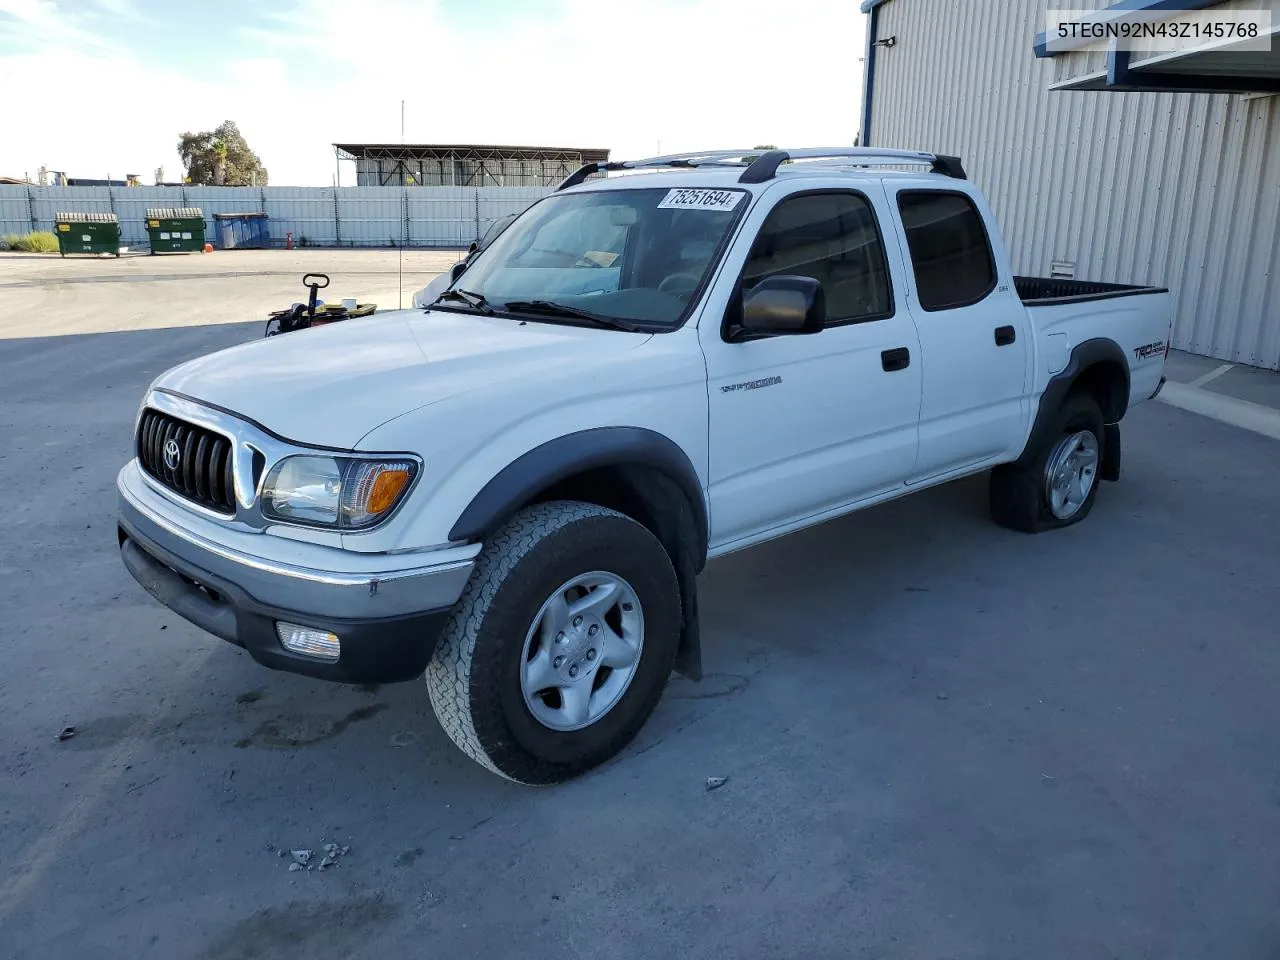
(507, 626)
(1057, 485)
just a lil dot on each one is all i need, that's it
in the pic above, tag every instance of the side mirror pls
(457, 270)
(783, 305)
(472, 247)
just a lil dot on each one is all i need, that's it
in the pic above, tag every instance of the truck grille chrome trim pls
(221, 460)
(189, 459)
(217, 460)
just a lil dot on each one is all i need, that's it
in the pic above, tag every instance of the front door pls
(803, 424)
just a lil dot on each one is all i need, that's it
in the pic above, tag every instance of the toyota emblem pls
(172, 454)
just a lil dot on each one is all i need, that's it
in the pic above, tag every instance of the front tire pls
(1059, 484)
(561, 644)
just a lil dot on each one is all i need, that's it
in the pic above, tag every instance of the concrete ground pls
(942, 739)
(51, 296)
(1234, 380)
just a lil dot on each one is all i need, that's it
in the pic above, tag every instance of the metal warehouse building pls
(1101, 164)
(462, 165)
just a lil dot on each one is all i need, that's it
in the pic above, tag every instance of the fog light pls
(309, 641)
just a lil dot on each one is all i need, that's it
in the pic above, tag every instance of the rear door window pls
(950, 253)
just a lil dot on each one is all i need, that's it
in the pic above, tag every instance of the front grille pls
(204, 469)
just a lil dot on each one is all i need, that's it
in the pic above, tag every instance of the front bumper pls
(387, 619)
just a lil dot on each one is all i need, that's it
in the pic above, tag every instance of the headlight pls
(344, 492)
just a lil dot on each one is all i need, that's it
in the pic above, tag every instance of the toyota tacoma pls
(513, 489)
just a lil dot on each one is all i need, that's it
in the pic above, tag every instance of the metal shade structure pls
(462, 165)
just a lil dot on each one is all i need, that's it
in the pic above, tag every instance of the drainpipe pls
(869, 71)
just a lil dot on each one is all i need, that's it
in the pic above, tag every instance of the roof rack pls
(764, 166)
(689, 160)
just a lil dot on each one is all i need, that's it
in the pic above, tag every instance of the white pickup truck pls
(514, 489)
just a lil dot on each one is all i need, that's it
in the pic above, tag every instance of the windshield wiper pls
(473, 300)
(549, 308)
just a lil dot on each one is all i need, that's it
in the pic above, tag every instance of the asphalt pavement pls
(941, 739)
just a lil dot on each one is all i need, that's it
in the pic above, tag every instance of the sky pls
(105, 87)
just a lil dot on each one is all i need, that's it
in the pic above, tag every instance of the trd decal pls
(1148, 350)
(751, 384)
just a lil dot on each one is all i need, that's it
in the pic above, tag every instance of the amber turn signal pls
(386, 490)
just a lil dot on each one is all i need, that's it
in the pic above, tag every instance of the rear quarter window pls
(950, 253)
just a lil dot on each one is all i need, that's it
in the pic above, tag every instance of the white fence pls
(315, 216)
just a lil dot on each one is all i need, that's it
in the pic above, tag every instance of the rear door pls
(975, 335)
(802, 425)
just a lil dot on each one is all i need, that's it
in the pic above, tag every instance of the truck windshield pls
(630, 255)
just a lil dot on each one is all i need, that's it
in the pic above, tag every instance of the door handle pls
(898, 358)
(1005, 336)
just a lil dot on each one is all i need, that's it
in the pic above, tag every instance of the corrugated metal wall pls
(349, 216)
(1178, 190)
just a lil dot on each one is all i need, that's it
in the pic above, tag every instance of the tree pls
(221, 158)
(762, 147)
(220, 154)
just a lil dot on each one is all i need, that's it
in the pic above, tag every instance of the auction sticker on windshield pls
(698, 198)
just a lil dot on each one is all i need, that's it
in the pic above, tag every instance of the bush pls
(36, 242)
(42, 242)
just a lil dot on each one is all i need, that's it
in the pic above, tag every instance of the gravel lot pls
(942, 739)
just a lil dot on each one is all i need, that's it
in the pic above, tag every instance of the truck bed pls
(1069, 312)
(1043, 290)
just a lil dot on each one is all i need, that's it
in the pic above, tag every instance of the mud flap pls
(689, 653)
(676, 526)
(1110, 468)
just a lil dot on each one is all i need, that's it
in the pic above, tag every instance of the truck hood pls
(331, 385)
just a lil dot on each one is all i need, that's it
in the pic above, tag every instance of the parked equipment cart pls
(315, 312)
(87, 233)
(175, 229)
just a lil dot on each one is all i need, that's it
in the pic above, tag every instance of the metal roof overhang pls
(1216, 67)
(1219, 67)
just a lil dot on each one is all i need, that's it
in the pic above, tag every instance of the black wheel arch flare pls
(520, 482)
(672, 503)
(1111, 379)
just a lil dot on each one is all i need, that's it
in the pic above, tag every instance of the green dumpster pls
(87, 233)
(176, 229)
